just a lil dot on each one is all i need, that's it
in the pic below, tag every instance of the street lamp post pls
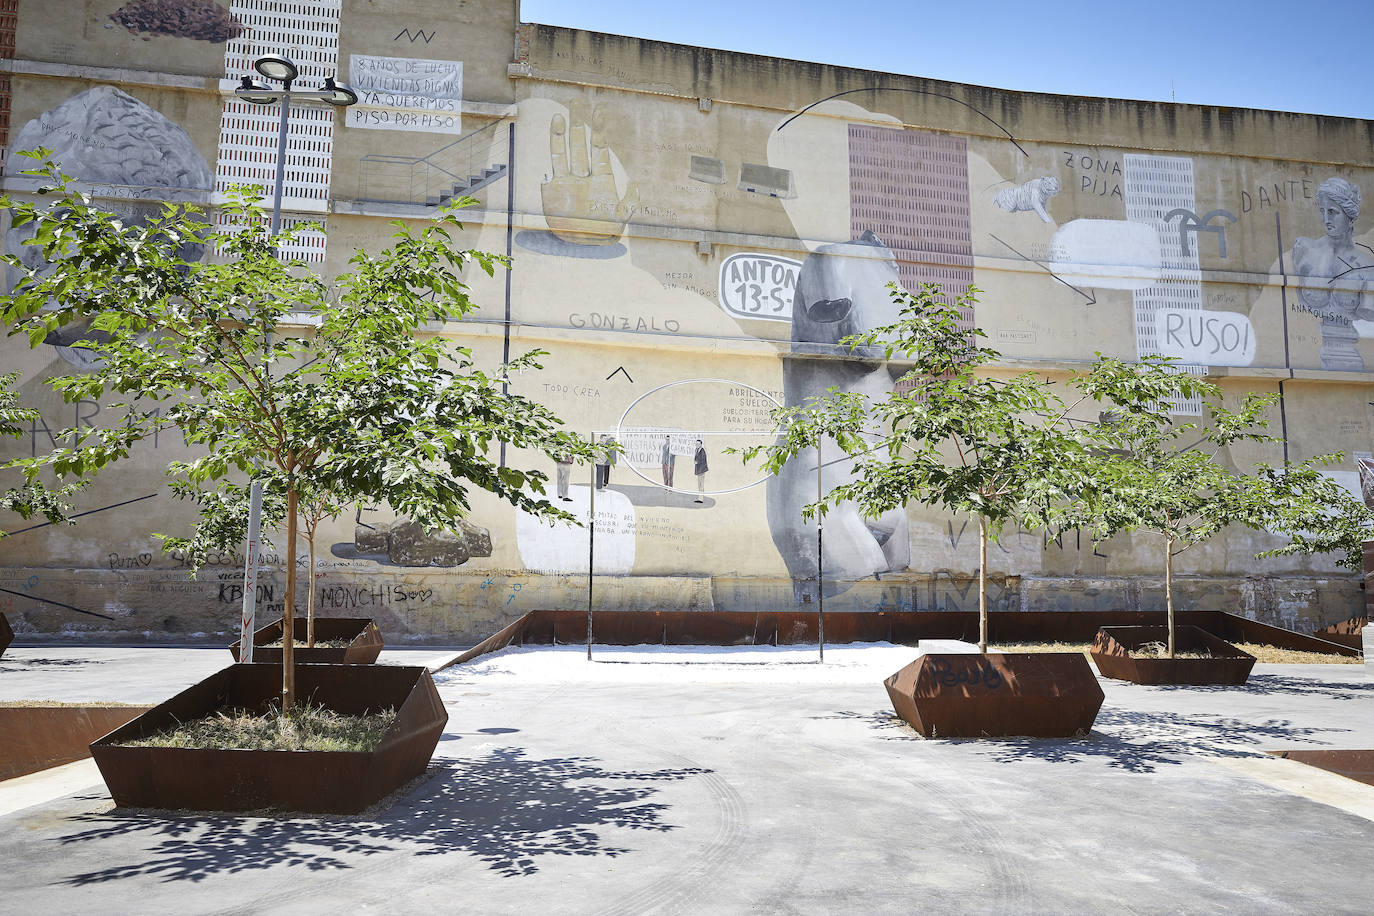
(282, 70)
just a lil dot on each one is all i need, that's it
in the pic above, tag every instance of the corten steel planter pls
(1112, 649)
(1347, 633)
(34, 738)
(1032, 694)
(6, 634)
(756, 628)
(366, 646)
(333, 782)
(1352, 764)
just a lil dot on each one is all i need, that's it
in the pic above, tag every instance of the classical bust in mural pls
(106, 137)
(1343, 299)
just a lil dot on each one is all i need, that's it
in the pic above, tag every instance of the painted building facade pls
(692, 232)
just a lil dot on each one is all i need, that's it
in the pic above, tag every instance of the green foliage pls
(29, 498)
(331, 391)
(996, 448)
(999, 449)
(1154, 474)
(1173, 479)
(338, 389)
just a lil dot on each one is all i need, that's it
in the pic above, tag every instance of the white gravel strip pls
(856, 663)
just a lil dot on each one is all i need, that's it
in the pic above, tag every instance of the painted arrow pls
(621, 369)
(1092, 299)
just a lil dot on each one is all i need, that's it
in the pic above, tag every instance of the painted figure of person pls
(565, 464)
(699, 466)
(1334, 258)
(605, 462)
(669, 461)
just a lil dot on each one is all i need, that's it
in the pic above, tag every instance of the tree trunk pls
(310, 591)
(1169, 589)
(288, 616)
(982, 585)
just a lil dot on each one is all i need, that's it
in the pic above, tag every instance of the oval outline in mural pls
(620, 427)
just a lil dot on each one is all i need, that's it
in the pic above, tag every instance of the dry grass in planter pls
(1161, 650)
(307, 728)
(1270, 655)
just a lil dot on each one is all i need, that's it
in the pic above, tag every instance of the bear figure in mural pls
(841, 290)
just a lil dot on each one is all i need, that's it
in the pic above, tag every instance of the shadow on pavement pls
(504, 809)
(23, 664)
(1135, 741)
(1280, 684)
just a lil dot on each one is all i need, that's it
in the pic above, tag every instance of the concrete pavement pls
(747, 797)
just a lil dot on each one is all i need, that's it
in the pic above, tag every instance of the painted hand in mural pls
(581, 203)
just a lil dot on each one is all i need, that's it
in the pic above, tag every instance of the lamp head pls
(256, 93)
(276, 67)
(339, 94)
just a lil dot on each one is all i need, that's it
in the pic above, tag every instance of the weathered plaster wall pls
(670, 212)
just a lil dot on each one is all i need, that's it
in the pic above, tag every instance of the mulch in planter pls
(1114, 651)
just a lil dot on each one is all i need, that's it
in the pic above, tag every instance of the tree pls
(1172, 479)
(359, 399)
(999, 449)
(28, 498)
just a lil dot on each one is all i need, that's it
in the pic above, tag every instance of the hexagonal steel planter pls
(6, 634)
(1033, 694)
(363, 650)
(38, 737)
(1113, 647)
(335, 782)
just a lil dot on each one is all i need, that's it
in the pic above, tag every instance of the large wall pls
(692, 231)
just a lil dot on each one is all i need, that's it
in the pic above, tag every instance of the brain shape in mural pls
(106, 135)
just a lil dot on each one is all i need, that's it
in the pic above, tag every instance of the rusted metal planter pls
(333, 782)
(1033, 694)
(363, 650)
(1347, 633)
(37, 737)
(6, 634)
(1352, 764)
(1111, 652)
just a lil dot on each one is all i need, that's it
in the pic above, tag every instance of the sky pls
(1311, 57)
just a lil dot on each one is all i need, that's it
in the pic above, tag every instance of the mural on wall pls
(759, 242)
(910, 188)
(199, 20)
(1032, 196)
(1341, 299)
(402, 542)
(585, 197)
(107, 138)
(842, 290)
(758, 286)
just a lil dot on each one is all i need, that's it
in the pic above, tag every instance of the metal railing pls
(462, 167)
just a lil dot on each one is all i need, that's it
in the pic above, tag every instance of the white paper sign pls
(406, 93)
(1205, 338)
